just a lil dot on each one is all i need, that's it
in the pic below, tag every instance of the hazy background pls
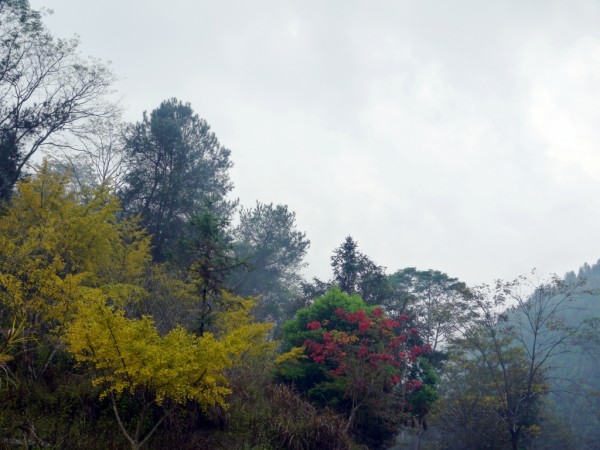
(461, 136)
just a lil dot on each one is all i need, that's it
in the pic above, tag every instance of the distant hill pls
(575, 374)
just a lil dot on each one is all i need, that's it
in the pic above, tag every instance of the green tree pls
(46, 89)
(212, 260)
(268, 241)
(437, 302)
(174, 165)
(356, 273)
(352, 357)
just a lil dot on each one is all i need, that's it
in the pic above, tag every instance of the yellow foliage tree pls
(70, 271)
(129, 355)
(9, 337)
(56, 242)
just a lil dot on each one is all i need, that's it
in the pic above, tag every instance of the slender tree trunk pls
(135, 442)
(418, 438)
(514, 440)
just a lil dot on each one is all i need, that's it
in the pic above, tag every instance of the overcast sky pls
(462, 136)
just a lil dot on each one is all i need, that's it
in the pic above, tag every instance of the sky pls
(459, 136)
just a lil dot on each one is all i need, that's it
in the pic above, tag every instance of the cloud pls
(563, 107)
(460, 136)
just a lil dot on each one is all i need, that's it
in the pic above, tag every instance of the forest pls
(142, 306)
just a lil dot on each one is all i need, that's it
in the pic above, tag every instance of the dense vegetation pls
(141, 306)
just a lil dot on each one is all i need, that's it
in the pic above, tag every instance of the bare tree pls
(46, 89)
(516, 346)
(94, 153)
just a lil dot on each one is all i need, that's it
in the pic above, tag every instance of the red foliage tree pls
(373, 357)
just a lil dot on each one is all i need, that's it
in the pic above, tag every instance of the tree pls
(72, 274)
(437, 302)
(355, 273)
(175, 164)
(211, 262)
(357, 360)
(517, 347)
(56, 243)
(268, 240)
(46, 89)
(347, 263)
(130, 356)
(466, 415)
(94, 154)
(499, 371)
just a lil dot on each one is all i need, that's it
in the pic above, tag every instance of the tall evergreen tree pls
(175, 164)
(212, 260)
(268, 240)
(356, 273)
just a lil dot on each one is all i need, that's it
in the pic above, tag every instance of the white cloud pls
(564, 106)
(460, 136)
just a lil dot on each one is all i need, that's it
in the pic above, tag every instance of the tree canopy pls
(175, 165)
(354, 272)
(352, 357)
(273, 249)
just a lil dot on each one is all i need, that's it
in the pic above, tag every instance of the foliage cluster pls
(355, 359)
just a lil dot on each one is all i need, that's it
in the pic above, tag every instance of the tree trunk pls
(514, 440)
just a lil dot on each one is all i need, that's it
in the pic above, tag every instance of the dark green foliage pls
(355, 273)
(175, 165)
(295, 332)
(422, 400)
(212, 260)
(310, 377)
(59, 407)
(9, 161)
(315, 288)
(361, 363)
(347, 263)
